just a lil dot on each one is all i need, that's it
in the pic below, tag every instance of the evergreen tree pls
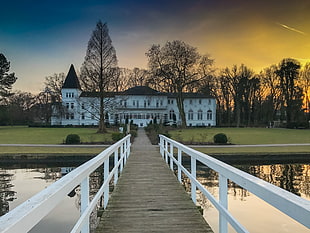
(6, 79)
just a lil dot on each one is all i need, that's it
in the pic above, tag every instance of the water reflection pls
(6, 192)
(255, 214)
(18, 185)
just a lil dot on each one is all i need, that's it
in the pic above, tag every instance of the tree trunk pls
(180, 104)
(102, 128)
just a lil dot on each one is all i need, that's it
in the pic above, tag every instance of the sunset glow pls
(49, 36)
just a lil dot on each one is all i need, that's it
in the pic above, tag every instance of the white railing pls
(28, 214)
(290, 204)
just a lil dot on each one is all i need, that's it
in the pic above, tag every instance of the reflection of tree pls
(305, 180)
(49, 174)
(6, 194)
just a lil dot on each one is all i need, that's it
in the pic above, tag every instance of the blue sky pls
(41, 38)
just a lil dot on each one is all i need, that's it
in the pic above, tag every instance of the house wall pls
(139, 109)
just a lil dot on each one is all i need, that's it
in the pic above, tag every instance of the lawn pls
(29, 135)
(50, 150)
(243, 135)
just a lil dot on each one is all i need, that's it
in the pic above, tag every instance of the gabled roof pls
(71, 80)
(141, 90)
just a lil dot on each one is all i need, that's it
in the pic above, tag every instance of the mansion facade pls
(139, 105)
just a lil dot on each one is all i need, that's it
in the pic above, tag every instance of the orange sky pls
(255, 33)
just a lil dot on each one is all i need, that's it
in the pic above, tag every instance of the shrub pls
(117, 136)
(220, 138)
(73, 139)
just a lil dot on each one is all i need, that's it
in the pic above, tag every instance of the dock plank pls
(148, 197)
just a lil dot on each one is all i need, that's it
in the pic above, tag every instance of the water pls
(19, 184)
(253, 213)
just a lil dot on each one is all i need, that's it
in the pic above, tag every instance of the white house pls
(139, 105)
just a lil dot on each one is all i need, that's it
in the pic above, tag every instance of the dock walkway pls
(148, 197)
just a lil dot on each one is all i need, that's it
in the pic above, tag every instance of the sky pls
(41, 38)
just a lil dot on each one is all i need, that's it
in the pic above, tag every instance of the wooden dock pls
(149, 198)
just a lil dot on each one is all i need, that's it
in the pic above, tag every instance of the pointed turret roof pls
(71, 80)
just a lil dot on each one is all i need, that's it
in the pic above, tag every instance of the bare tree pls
(305, 83)
(98, 67)
(54, 84)
(174, 69)
(138, 77)
(288, 73)
(237, 79)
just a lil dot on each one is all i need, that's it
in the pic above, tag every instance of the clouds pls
(53, 34)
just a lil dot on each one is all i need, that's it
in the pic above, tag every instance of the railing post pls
(193, 173)
(121, 155)
(85, 202)
(128, 147)
(116, 170)
(179, 165)
(166, 151)
(223, 201)
(161, 145)
(171, 155)
(105, 177)
(125, 152)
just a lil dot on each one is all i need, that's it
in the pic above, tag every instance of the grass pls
(51, 150)
(29, 135)
(245, 136)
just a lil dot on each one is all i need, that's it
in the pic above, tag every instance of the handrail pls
(290, 204)
(25, 216)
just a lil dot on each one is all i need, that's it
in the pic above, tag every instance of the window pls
(168, 101)
(125, 103)
(148, 102)
(67, 116)
(67, 105)
(134, 103)
(190, 115)
(171, 101)
(83, 116)
(137, 103)
(145, 103)
(72, 116)
(199, 101)
(161, 103)
(171, 114)
(67, 94)
(199, 116)
(83, 106)
(72, 94)
(209, 102)
(72, 105)
(190, 101)
(209, 115)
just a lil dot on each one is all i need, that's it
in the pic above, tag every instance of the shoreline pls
(241, 158)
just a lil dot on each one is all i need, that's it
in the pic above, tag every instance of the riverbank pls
(231, 158)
